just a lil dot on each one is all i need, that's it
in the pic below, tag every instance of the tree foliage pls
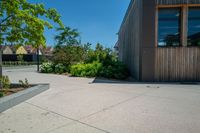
(67, 36)
(83, 61)
(108, 65)
(21, 22)
(101, 54)
(68, 54)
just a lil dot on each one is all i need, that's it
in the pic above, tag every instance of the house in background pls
(7, 50)
(48, 51)
(35, 51)
(28, 48)
(21, 50)
(29, 53)
(159, 40)
(116, 48)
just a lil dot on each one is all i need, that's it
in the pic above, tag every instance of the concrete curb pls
(14, 99)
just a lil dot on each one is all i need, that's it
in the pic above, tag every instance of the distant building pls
(21, 50)
(7, 50)
(34, 51)
(48, 51)
(116, 47)
(28, 48)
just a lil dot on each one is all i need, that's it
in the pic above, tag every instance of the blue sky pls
(97, 20)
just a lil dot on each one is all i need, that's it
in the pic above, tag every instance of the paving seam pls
(79, 121)
(68, 118)
(65, 125)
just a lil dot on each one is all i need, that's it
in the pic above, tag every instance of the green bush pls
(1, 94)
(98, 62)
(116, 70)
(60, 68)
(86, 70)
(104, 55)
(47, 67)
(5, 82)
(20, 58)
(24, 83)
(68, 55)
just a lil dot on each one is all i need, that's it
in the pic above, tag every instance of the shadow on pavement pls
(131, 81)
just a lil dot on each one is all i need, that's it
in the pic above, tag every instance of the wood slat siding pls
(129, 39)
(177, 64)
(171, 2)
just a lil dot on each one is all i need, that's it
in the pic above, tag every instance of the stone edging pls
(14, 99)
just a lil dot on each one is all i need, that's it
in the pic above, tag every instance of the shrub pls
(47, 67)
(68, 55)
(24, 83)
(20, 58)
(60, 68)
(1, 94)
(86, 70)
(104, 55)
(116, 70)
(5, 82)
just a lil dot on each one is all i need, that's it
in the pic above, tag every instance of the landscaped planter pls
(21, 96)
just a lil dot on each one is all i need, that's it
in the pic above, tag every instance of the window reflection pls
(194, 27)
(169, 27)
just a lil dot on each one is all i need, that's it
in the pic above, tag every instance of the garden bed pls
(17, 94)
(14, 88)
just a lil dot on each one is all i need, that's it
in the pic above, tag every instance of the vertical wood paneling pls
(129, 38)
(177, 64)
(171, 64)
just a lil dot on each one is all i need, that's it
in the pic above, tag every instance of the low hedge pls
(115, 70)
(86, 70)
(60, 68)
(49, 67)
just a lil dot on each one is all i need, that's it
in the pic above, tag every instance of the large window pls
(193, 27)
(169, 27)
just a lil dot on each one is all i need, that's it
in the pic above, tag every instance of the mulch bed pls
(13, 89)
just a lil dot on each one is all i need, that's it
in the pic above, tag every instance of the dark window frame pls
(184, 22)
(179, 30)
(189, 30)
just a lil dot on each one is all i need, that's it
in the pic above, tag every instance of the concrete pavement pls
(75, 105)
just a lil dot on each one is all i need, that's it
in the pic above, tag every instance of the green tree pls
(68, 54)
(101, 54)
(24, 23)
(21, 23)
(67, 36)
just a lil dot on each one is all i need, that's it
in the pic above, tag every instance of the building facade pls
(21, 50)
(159, 40)
(7, 50)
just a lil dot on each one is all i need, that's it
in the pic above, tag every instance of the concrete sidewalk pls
(74, 105)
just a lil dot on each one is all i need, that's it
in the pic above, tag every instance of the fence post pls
(38, 60)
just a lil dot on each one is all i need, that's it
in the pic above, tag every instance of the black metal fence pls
(13, 57)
